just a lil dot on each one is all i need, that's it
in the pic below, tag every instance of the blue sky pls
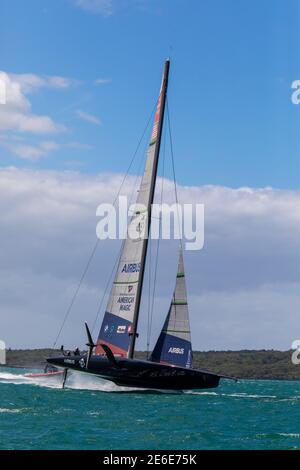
(81, 78)
(233, 63)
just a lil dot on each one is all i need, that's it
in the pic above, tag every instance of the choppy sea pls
(94, 414)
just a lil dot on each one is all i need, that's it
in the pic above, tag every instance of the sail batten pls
(174, 343)
(119, 326)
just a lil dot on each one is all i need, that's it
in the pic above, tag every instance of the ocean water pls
(93, 414)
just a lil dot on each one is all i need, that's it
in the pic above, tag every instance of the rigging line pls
(175, 185)
(157, 246)
(76, 292)
(138, 175)
(119, 252)
(149, 299)
(97, 241)
(174, 173)
(136, 151)
(106, 287)
(146, 150)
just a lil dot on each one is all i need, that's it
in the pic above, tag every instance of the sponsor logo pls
(176, 350)
(108, 329)
(69, 361)
(121, 329)
(125, 300)
(131, 268)
(125, 308)
(82, 363)
(125, 303)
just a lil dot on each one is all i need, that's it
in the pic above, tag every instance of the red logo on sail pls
(156, 122)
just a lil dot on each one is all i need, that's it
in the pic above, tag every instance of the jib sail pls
(174, 343)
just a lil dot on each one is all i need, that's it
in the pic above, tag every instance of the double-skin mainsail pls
(119, 326)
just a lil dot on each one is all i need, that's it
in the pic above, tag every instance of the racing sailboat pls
(112, 356)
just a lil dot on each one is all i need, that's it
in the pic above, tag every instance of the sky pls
(82, 78)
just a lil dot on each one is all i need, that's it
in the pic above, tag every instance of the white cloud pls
(16, 114)
(17, 119)
(103, 7)
(108, 7)
(101, 81)
(88, 117)
(78, 145)
(30, 82)
(33, 152)
(243, 286)
(261, 317)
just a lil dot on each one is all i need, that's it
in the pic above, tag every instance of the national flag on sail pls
(156, 122)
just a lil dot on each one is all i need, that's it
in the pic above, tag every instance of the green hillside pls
(265, 364)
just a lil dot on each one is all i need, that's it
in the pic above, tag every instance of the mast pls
(119, 326)
(156, 135)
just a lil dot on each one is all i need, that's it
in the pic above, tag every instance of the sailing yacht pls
(170, 366)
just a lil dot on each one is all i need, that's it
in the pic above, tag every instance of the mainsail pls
(170, 367)
(118, 330)
(174, 343)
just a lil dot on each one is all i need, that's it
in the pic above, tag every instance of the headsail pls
(174, 343)
(119, 325)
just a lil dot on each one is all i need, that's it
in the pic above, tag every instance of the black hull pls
(140, 374)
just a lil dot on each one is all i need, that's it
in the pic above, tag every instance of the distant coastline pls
(245, 364)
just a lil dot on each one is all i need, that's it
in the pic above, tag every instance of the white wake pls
(75, 380)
